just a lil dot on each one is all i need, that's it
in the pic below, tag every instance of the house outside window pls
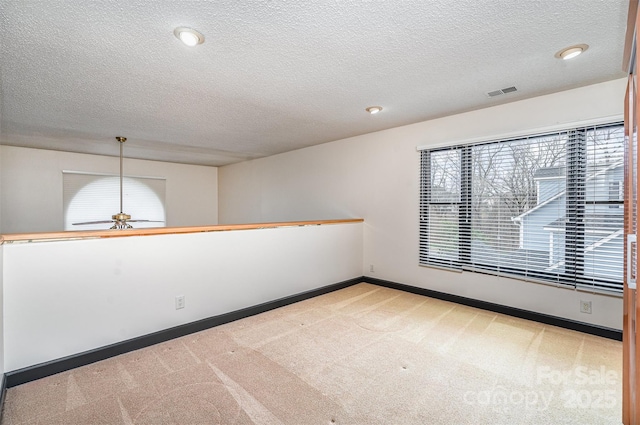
(545, 208)
(615, 193)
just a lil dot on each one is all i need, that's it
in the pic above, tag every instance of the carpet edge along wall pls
(31, 373)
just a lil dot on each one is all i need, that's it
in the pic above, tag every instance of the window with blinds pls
(96, 197)
(544, 208)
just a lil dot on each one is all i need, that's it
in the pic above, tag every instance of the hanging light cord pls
(121, 143)
(121, 140)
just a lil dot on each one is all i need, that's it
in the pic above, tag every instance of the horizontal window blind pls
(601, 253)
(542, 208)
(95, 197)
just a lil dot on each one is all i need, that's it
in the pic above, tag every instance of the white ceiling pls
(278, 75)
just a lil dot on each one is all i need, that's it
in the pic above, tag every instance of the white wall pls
(2, 368)
(376, 177)
(0, 190)
(86, 294)
(1, 263)
(31, 187)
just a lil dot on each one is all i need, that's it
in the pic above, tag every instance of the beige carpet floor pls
(361, 355)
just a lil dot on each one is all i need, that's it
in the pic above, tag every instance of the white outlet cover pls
(179, 302)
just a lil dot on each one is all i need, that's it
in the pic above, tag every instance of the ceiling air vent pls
(502, 91)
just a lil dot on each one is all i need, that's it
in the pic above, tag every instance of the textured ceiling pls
(274, 76)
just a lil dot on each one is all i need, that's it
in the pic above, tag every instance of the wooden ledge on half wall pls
(96, 234)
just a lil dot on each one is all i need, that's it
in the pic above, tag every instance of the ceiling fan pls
(121, 220)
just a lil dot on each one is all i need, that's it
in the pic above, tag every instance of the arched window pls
(95, 197)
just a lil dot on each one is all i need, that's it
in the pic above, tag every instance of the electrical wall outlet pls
(371, 268)
(585, 307)
(179, 302)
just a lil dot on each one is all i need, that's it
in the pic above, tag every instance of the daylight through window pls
(96, 197)
(546, 208)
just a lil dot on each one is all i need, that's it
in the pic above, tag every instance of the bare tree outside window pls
(546, 207)
(504, 186)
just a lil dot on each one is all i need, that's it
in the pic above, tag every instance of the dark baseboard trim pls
(3, 393)
(31, 373)
(498, 308)
(42, 370)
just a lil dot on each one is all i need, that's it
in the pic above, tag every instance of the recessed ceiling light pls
(374, 109)
(571, 51)
(188, 36)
